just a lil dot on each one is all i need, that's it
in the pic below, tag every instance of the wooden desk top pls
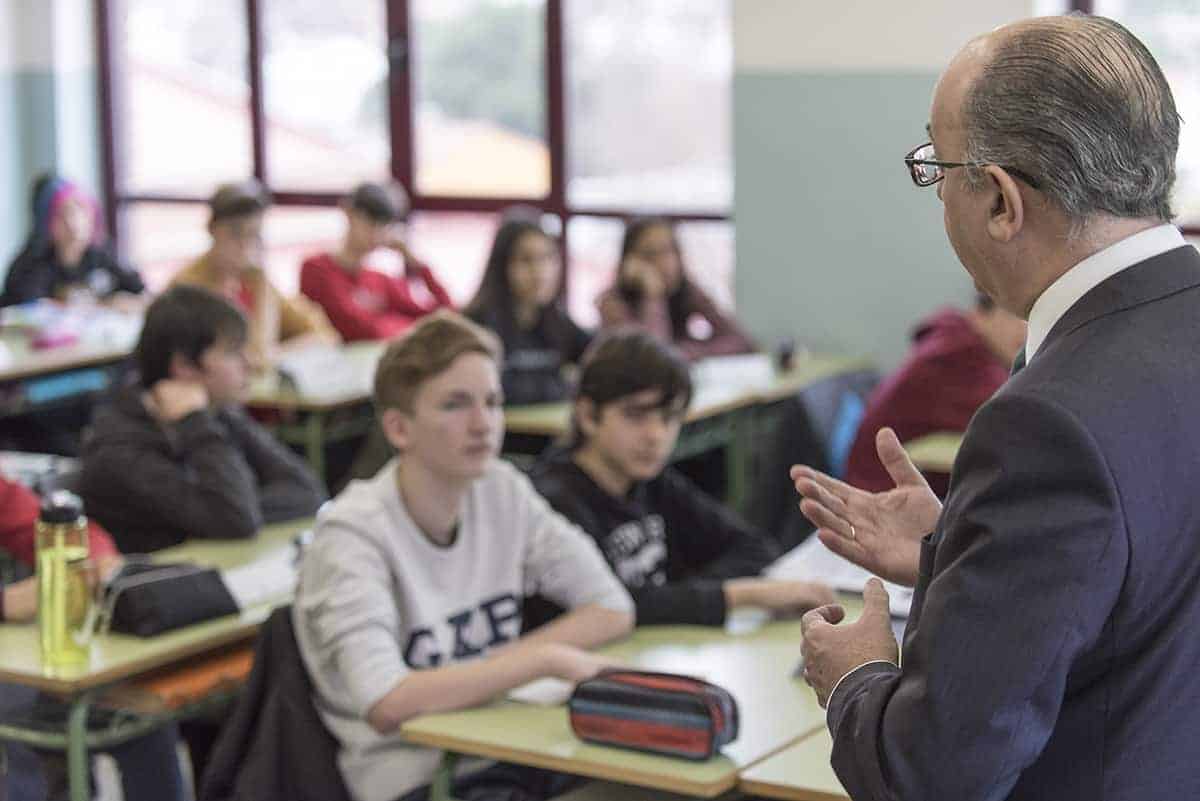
(116, 657)
(935, 453)
(26, 363)
(349, 380)
(756, 667)
(552, 419)
(800, 772)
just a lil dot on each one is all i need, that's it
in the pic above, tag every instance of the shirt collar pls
(1076, 282)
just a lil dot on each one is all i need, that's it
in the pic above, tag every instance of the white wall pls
(861, 35)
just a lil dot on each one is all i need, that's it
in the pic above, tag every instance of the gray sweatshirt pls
(378, 599)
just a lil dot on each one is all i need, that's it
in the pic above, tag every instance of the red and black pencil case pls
(660, 713)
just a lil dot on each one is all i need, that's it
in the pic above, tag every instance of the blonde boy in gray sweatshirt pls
(410, 596)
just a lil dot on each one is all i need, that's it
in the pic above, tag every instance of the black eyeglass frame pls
(912, 163)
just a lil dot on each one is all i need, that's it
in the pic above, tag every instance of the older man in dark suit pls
(1052, 651)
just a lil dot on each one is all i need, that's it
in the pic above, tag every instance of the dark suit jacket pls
(1053, 652)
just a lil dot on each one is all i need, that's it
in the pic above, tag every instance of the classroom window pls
(648, 104)
(162, 238)
(325, 86)
(479, 115)
(185, 121)
(591, 110)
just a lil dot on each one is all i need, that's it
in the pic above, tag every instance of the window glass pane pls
(185, 116)
(293, 233)
(594, 244)
(325, 84)
(159, 239)
(455, 245)
(1172, 32)
(479, 97)
(648, 104)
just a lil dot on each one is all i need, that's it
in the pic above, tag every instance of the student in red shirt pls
(18, 513)
(958, 360)
(147, 764)
(362, 303)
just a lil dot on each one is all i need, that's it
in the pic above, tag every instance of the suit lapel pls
(1144, 282)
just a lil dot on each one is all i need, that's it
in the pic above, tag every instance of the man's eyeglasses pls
(927, 170)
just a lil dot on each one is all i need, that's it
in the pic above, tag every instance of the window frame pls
(400, 117)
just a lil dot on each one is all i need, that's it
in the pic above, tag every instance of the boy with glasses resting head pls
(409, 599)
(683, 556)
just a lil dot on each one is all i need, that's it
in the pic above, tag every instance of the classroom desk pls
(37, 379)
(338, 407)
(116, 657)
(934, 453)
(800, 772)
(756, 667)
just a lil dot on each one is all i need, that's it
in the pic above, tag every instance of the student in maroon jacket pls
(958, 360)
(652, 291)
(365, 304)
(684, 557)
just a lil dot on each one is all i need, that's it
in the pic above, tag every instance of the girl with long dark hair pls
(518, 300)
(653, 291)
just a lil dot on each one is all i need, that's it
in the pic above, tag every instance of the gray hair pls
(1080, 105)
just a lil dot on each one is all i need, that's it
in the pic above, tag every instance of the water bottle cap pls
(61, 506)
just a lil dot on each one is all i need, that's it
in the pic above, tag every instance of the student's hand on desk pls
(880, 531)
(20, 601)
(783, 598)
(172, 400)
(573, 664)
(831, 651)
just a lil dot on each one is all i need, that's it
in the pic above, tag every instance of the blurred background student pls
(653, 291)
(65, 256)
(518, 299)
(958, 359)
(362, 303)
(232, 268)
(148, 764)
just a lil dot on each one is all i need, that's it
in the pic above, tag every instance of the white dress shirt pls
(1076, 282)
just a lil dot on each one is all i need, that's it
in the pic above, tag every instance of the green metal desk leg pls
(442, 786)
(314, 442)
(77, 752)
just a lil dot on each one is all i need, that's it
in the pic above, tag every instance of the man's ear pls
(1007, 214)
(586, 416)
(396, 425)
(181, 368)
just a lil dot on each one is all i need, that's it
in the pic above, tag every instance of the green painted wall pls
(835, 245)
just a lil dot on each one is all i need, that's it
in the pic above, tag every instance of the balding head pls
(1079, 104)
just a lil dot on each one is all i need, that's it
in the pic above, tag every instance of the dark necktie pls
(1018, 363)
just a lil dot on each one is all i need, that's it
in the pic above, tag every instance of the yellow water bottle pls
(62, 577)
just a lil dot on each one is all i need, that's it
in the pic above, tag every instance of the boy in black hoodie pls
(175, 457)
(684, 557)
